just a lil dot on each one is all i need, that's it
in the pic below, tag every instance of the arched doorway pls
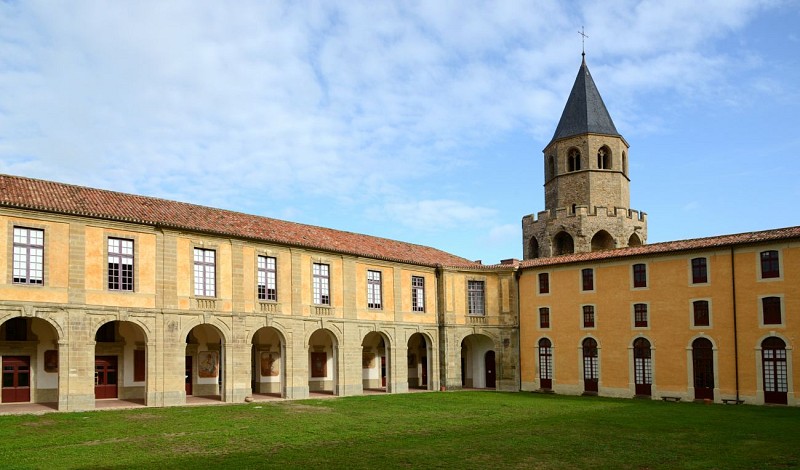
(322, 376)
(120, 362)
(545, 364)
(478, 366)
(590, 366)
(268, 367)
(418, 363)
(703, 369)
(603, 240)
(774, 371)
(563, 244)
(29, 348)
(204, 363)
(375, 366)
(642, 367)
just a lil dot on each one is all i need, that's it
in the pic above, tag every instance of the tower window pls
(551, 167)
(574, 160)
(604, 158)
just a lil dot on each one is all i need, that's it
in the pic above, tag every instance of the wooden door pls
(490, 370)
(590, 376)
(105, 377)
(383, 371)
(774, 370)
(188, 375)
(16, 379)
(545, 364)
(642, 367)
(703, 369)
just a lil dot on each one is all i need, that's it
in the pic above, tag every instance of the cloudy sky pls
(420, 121)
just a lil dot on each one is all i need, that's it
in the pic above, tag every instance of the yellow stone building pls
(107, 296)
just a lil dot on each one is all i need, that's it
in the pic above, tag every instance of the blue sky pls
(418, 121)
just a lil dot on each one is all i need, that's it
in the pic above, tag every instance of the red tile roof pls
(40, 195)
(670, 247)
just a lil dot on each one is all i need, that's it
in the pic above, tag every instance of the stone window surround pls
(761, 323)
(135, 239)
(12, 224)
(692, 326)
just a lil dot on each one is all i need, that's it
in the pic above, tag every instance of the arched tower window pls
(624, 164)
(604, 158)
(563, 244)
(574, 160)
(634, 240)
(551, 168)
(602, 240)
(533, 249)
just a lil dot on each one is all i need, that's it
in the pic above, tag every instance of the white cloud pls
(436, 215)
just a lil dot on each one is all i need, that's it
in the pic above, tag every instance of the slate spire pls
(585, 111)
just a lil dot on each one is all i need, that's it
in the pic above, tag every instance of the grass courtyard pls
(421, 430)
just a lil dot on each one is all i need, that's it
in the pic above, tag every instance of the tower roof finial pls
(583, 41)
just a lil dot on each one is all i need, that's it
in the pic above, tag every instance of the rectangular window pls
(120, 264)
(544, 283)
(267, 284)
(139, 365)
(640, 275)
(588, 316)
(417, 293)
(322, 282)
(374, 289)
(770, 267)
(700, 311)
(544, 317)
(587, 276)
(699, 271)
(28, 256)
(771, 308)
(205, 268)
(475, 290)
(640, 315)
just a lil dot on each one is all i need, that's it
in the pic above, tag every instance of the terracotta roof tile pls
(28, 193)
(669, 247)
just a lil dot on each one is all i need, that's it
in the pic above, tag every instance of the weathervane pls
(583, 41)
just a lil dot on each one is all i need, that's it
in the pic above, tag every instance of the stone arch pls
(603, 240)
(533, 248)
(420, 355)
(223, 329)
(268, 364)
(323, 362)
(45, 318)
(30, 348)
(478, 361)
(573, 159)
(205, 360)
(376, 364)
(120, 359)
(563, 244)
(634, 240)
(604, 158)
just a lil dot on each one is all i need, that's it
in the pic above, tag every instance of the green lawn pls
(421, 430)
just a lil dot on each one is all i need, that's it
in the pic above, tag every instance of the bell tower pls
(586, 183)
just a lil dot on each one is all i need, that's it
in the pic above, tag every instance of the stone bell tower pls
(586, 183)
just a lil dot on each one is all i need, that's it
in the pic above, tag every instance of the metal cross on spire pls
(583, 41)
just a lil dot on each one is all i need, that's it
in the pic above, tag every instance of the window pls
(771, 310)
(640, 275)
(640, 315)
(204, 272)
(770, 268)
(590, 365)
(120, 264)
(587, 276)
(322, 294)
(475, 298)
(544, 283)
(700, 313)
(642, 366)
(545, 364)
(604, 158)
(699, 270)
(544, 317)
(267, 283)
(28, 256)
(775, 370)
(588, 316)
(417, 294)
(374, 289)
(574, 160)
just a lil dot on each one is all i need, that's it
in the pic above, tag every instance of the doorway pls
(16, 379)
(105, 377)
(490, 369)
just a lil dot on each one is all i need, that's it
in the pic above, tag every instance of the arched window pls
(574, 160)
(563, 244)
(642, 366)
(634, 240)
(545, 364)
(604, 158)
(703, 369)
(590, 373)
(624, 164)
(774, 370)
(602, 240)
(551, 167)
(533, 250)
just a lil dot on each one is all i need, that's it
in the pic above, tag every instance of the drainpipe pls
(735, 331)
(517, 275)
